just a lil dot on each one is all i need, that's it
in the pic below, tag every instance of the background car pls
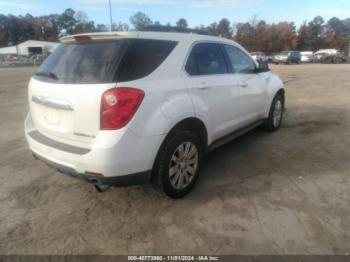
(271, 57)
(10, 58)
(335, 58)
(327, 51)
(307, 56)
(319, 56)
(259, 57)
(288, 57)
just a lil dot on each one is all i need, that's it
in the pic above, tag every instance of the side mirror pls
(263, 67)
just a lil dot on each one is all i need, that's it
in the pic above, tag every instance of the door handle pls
(203, 85)
(244, 85)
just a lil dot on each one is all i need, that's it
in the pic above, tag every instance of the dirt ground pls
(281, 193)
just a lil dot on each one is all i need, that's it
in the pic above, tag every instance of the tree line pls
(255, 35)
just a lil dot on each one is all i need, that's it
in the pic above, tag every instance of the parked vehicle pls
(329, 56)
(327, 51)
(11, 58)
(17, 61)
(125, 108)
(271, 57)
(307, 57)
(319, 56)
(259, 57)
(335, 58)
(288, 57)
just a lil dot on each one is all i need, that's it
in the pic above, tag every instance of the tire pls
(273, 122)
(338, 60)
(328, 60)
(175, 174)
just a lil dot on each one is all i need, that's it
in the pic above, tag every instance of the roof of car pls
(146, 35)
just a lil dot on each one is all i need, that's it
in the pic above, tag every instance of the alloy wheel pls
(183, 165)
(277, 113)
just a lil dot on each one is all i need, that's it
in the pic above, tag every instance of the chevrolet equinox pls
(129, 108)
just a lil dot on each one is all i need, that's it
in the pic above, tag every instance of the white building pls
(8, 50)
(29, 47)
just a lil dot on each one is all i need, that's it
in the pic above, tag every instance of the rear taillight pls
(118, 106)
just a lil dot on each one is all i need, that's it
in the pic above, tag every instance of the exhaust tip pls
(101, 188)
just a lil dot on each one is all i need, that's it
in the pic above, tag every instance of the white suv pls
(136, 107)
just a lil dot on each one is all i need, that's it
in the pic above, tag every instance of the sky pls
(196, 12)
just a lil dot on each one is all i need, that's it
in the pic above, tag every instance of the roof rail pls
(174, 29)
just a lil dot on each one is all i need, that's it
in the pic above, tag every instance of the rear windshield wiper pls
(47, 74)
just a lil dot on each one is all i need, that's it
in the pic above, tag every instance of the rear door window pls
(104, 61)
(206, 59)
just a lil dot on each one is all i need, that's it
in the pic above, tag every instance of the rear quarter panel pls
(166, 100)
(166, 103)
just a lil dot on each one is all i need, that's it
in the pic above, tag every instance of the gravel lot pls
(281, 193)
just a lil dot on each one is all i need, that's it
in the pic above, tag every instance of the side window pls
(143, 57)
(240, 62)
(206, 59)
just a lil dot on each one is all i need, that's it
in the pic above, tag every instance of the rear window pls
(104, 61)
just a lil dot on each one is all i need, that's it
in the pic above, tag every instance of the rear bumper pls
(140, 178)
(122, 157)
(306, 60)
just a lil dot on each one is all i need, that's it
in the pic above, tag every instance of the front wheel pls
(273, 122)
(177, 165)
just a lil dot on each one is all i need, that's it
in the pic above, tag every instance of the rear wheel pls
(274, 120)
(177, 165)
(338, 60)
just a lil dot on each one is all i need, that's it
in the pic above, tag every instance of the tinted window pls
(206, 59)
(296, 54)
(81, 63)
(104, 61)
(241, 63)
(143, 57)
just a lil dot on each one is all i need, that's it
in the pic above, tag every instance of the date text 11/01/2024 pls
(173, 258)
